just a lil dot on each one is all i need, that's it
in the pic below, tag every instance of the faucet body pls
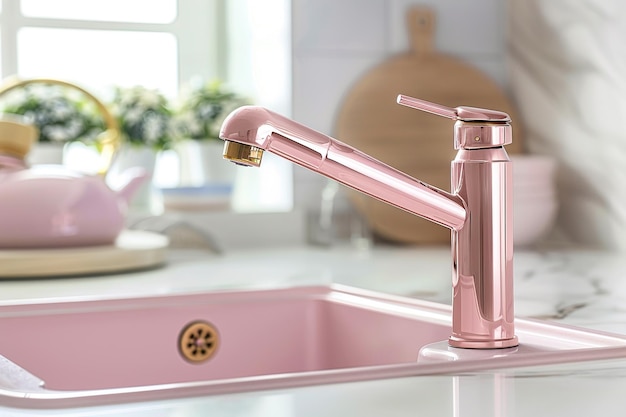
(478, 210)
(482, 251)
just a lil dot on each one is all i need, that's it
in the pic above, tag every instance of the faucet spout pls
(478, 211)
(263, 129)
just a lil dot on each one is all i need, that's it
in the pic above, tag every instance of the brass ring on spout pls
(109, 139)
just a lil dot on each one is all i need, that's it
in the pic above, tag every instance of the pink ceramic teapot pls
(51, 206)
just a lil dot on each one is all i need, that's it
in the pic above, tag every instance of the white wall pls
(335, 41)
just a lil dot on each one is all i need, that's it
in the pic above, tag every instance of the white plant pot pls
(147, 198)
(201, 163)
(46, 153)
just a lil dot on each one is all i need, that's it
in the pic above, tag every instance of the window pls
(159, 44)
(137, 11)
(101, 43)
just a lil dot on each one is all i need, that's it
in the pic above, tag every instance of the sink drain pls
(198, 341)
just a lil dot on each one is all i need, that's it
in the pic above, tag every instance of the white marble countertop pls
(575, 286)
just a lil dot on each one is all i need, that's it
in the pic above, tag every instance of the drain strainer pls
(198, 341)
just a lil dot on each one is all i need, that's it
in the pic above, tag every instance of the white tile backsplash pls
(344, 25)
(334, 42)
(462, 27)
(320, 82)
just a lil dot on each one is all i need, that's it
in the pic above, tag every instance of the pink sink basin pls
(78, 353)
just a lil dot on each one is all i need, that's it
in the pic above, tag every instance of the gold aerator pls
(242, 154)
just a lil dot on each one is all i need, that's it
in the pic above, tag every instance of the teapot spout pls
(128, 182)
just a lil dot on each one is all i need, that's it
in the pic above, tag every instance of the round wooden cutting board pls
(370, 120)
(133, 250)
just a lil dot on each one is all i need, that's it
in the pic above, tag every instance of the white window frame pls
(197, 26)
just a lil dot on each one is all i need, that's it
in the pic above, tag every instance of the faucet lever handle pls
(464, 113)
(427, 106)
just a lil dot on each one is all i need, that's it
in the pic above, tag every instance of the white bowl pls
(535, 201)
(532, 220)
(528, 184)
(531, 166)
(534, 197)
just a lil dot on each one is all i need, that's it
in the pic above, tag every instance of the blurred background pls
(558, 66)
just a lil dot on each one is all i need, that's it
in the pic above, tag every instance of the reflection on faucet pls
(478, 211)
(485, 395)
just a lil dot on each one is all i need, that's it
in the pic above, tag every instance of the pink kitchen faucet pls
(478, 211)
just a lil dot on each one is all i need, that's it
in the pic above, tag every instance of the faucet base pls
(483, 344)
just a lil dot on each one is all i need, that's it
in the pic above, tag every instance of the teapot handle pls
(109, 139)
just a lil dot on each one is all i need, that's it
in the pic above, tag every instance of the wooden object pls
(417, 143)
(133, 250)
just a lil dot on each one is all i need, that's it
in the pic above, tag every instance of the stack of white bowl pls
(535, 202)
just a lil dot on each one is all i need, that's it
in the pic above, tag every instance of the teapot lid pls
(16, 136)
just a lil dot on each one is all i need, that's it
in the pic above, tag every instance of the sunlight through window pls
(139, 11)
(100, 59)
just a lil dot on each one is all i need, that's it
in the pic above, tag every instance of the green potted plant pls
(201, 109)
(144, 117)
(62, 116)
